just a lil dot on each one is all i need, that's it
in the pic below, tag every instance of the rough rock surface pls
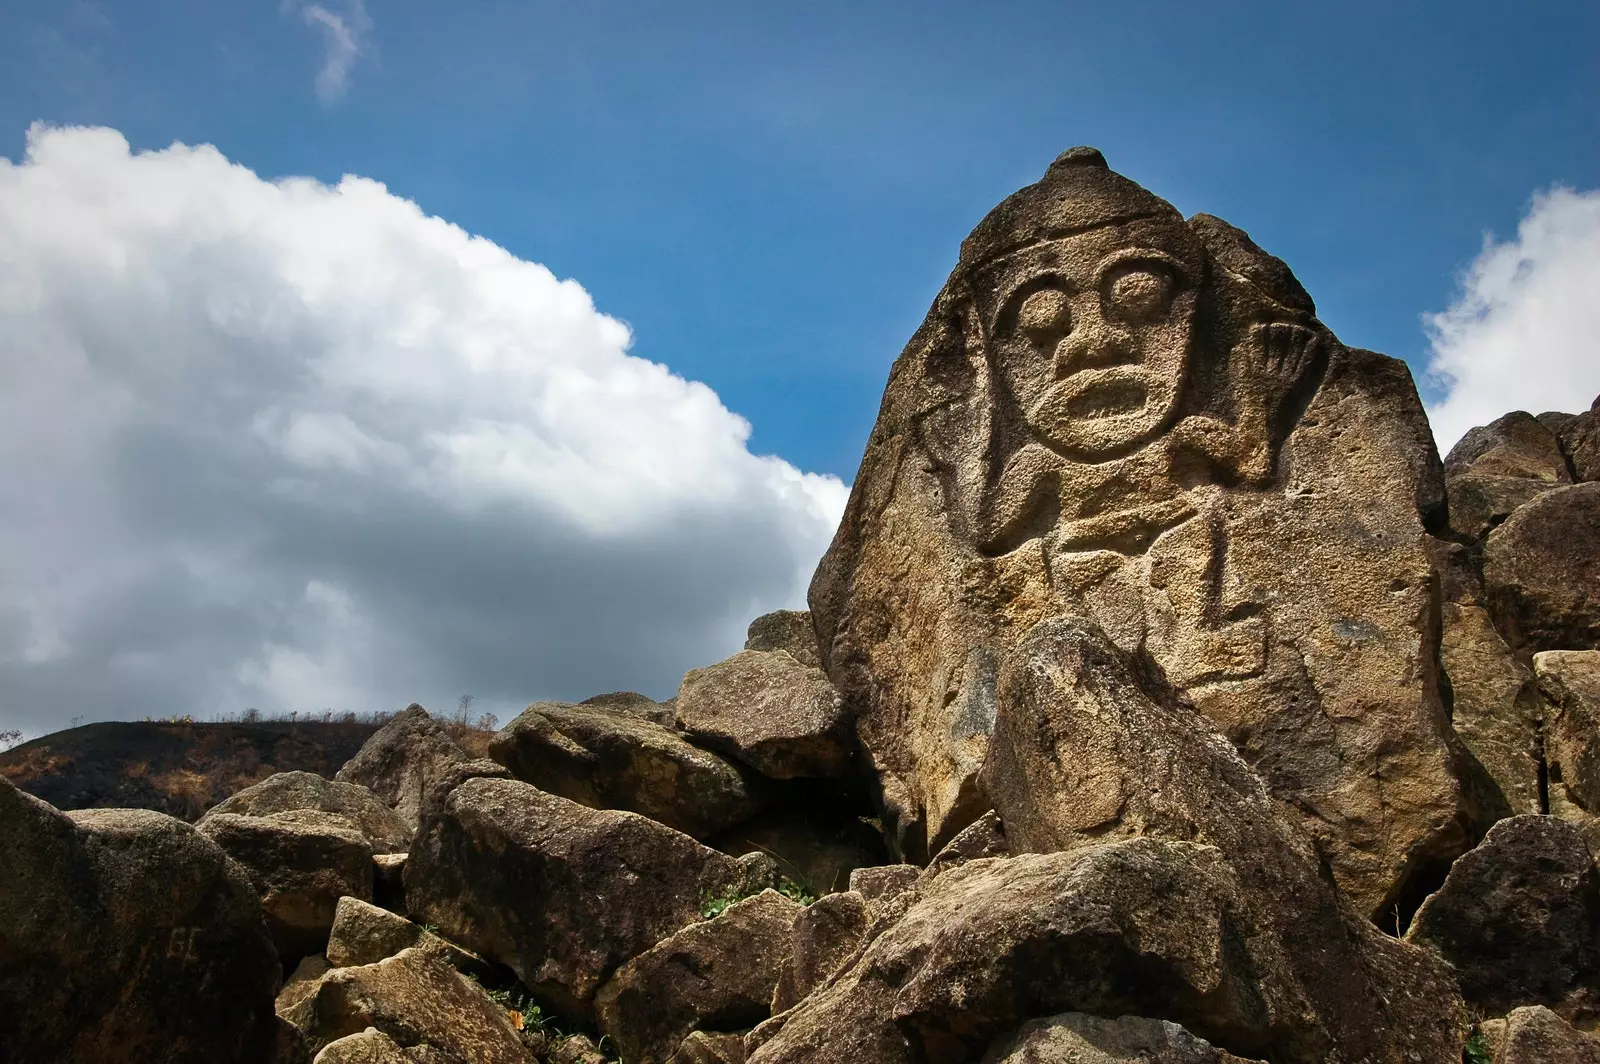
(1580, 439)
(884, 882)
(287, 791)
(1075, 1038)
(825, 935)
(560, 893)
(415, 999)
(1172, 892)
(776, 714)
(703, 1048)
(608, 759)
(638, 705)
(717, 975)
(302, 862)
(1541, 571)
(366, 934)
(1495, 707)
(1112, 413)
(1519, 920)
(371, 1046)
(786, 630)
(127, 935)
(1569, 680)
(301, 981)
(1513, 445)
(1535, 1035)
(816, 842)
(411, 763)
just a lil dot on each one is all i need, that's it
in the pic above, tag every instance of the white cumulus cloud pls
(344, 33)
(290, 445)
(1524, 331)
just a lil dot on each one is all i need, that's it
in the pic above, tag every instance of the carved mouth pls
(1114, 397)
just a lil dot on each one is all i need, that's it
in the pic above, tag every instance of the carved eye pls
(1045, 315)
(1139, 294)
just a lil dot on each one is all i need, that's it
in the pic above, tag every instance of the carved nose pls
(1093, 344)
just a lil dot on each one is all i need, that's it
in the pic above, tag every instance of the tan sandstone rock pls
(560, 893)
(372, 1046)
(635, 704)
(1569, 680)
(1113, 413)
(302, 862)
(1541, 571)
(287, 791)
(127, 935)
(416, 1000)
(776, 714)
(1535, 1035)
(615, 760)
(716, 975)
(1076, 1038)
(366, 934)
(786, 630)
(703, 1048)
(412, 763)
(825, 935)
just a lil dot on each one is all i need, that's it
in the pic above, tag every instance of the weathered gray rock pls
(717, 975)
(1076, 1038)
(366, 934)
(703, 1048)
(1519, 920)
(302, 862)
(1515, 445)
(1113, 413)
(638, 705)
(787, 630)
(607, 759)
(560, 893)
(1569, 680)
(411, 763)
(127, 935)
(779, 716)
(288, 791)
(1535, 1035)
(825, 935)
(416, 1000)
(1541, 571)
(1172, 892)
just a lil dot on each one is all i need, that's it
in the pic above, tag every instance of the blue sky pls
(296, 445)
(770, 195)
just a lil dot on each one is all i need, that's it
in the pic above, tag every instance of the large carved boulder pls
(412, 763)
(302, 862)
(615, 760)
(1541, 571)
(1519, 920)
(1114, 413)
(127, 935)
(776, 714)
(1165, 887)
(717, 975)
(287, 791)
(416, 1000)
(1075, 1038)
(560, 893)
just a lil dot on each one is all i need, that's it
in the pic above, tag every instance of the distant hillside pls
(175, 767)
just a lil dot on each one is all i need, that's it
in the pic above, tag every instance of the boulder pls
(1076, 1038)
(1516, 445)
(779, 716)
(1479, 504)
(985, 837)
(884, 882)
(609, 759)
(301, 982)
(372, 1046)
(1167, 888)
(561, 893)
(411, 762)
(638, 705)
(1541, 571)
(1569, 680)
(825, 935)
(127, 935)
(717, 975)
(1519, 920)
(1113, 413)
(366, 934)
(787, 630)
(287, 791)
(388, 881)
(703, 1048)
(301, 862)
(1535, 1035)
(1580, 438)
(1495, 708)
(416, 1000)
(576, 1049)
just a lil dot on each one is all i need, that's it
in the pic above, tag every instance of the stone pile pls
(1164, 698)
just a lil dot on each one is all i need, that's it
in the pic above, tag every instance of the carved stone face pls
(1091, 334)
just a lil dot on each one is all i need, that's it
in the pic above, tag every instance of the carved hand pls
(1274, 359)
